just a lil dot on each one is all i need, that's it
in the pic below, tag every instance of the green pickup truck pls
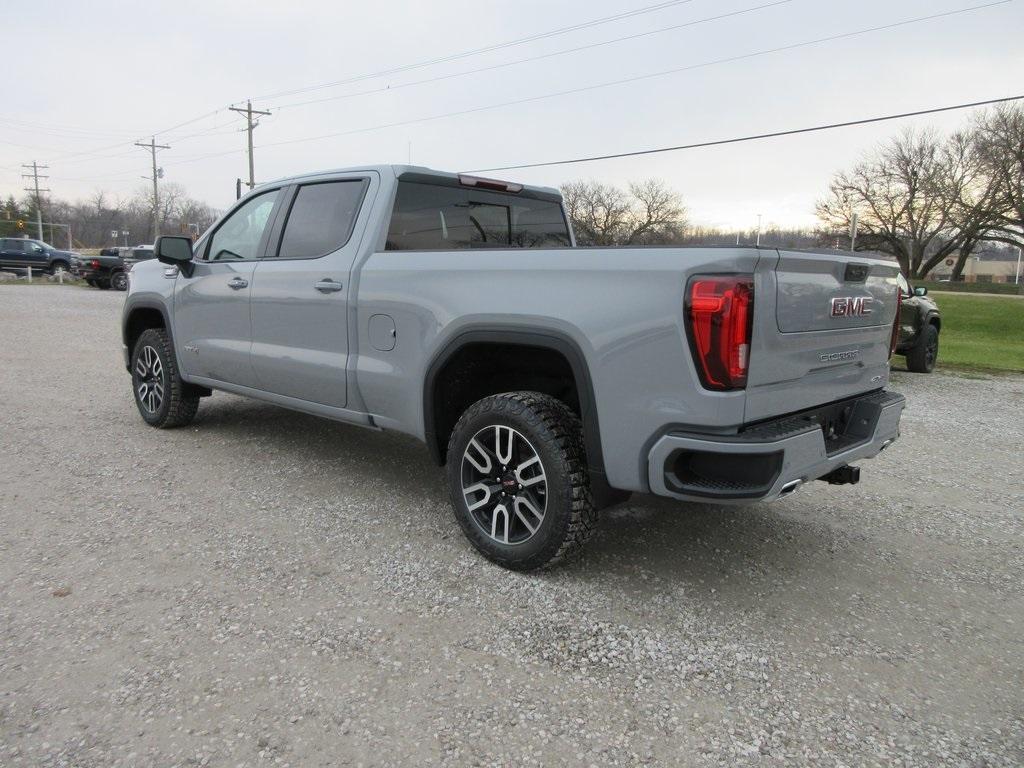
(920, 324)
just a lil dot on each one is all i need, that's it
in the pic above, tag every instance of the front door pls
(212, 327)
(301, 293)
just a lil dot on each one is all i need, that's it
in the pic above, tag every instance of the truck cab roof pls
(422, 174)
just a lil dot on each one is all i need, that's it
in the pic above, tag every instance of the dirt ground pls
(266, 588)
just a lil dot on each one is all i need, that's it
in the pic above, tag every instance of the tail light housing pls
(95, 264)
(896, 323)
(720, 315)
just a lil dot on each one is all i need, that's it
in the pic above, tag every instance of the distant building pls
(987, 266)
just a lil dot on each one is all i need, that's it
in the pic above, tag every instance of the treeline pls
(93, 221)
(922, 197)
(925, 198)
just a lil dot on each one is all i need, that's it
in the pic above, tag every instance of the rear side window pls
(321, 219)
(429, 217)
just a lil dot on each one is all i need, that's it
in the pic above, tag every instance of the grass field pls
(1002, 288)
(985, 332)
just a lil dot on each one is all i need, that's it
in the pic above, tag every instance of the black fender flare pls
(528, 337)
(149, 305)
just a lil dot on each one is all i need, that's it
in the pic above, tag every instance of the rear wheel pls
(119, 281)
(164, 400)
(103, 285)
(517, 475)
(922, 356)
(90, 281)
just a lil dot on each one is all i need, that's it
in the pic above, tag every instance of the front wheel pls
(164, 400)
(921, 358)
(119, 281)
(517, 475)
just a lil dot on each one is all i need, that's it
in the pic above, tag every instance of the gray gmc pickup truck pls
(551, 380)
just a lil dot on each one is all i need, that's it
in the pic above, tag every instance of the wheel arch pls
(554, 341)
(142, 316)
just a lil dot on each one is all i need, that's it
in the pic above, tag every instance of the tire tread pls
(183, 404)
(562, 429)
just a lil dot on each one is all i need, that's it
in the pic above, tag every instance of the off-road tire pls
(922, 356)
(119, 281)
(556, 434)
(179, 402)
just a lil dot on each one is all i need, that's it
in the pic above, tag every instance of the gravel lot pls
(265, 588)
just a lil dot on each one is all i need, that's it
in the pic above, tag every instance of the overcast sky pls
(85, 80)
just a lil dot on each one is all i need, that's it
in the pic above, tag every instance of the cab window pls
(321, 218)
(238, 237)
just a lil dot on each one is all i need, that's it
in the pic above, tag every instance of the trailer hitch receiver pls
(844, 475)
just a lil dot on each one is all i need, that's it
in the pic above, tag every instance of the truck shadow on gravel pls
(645, 536)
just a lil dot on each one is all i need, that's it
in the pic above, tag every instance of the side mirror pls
(176, 251)
(921, 291)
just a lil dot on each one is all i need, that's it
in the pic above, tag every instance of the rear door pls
(822, 329)
(10, 252)
(212, 326)
(301, 291)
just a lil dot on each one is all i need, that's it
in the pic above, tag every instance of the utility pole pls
(36, 190)
(157, 173)
(250, 125)
(759, 230)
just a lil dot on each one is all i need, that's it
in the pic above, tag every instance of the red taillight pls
(896, 323)
(721, 312)
(95, 264)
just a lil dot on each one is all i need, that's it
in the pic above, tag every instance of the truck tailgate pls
(822, 330)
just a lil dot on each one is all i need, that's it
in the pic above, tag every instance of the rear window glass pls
(321, 219)
(432, 217)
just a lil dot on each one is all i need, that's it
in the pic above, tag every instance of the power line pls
(418, 65)
(756, 137)
(623, 81)
(539, 57)
(485, 49)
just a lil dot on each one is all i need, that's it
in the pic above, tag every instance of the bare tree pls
(601, 214)
(658, 214)
(905, 197)
(999, 141)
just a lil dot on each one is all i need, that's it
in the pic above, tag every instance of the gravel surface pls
(266, 588)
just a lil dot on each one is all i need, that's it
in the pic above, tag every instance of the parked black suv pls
(920, 324)
(19, 253)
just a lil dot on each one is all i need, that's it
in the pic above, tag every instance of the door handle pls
(327, 286)
(237, 283)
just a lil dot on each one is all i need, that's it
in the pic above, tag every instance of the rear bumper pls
(772, 459)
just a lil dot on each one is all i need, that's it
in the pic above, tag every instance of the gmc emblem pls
(851, 306)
